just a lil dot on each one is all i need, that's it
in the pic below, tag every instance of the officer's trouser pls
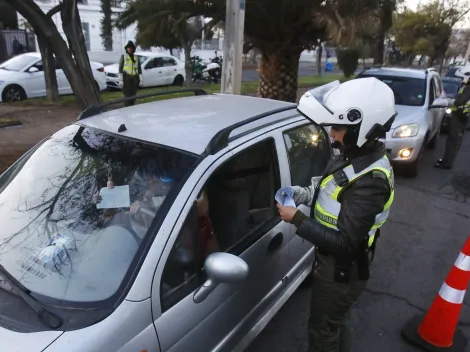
(130, 85)
(458, 124)
(330, 307)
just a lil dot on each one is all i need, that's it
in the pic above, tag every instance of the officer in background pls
(350, 202)
(130, 73)
(458, 123)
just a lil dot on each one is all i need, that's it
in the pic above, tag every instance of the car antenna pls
(122, 128)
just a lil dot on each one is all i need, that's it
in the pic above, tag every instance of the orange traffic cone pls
(438, 330)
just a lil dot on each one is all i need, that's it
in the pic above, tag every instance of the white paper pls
(285, 197)
(117, 197)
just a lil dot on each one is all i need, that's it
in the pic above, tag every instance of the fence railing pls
(8, 48)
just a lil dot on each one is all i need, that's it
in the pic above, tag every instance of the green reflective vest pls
(327, 206)
(465, 108)
(131, 68)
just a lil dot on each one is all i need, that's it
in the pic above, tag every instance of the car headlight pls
(404, 131)
(448, 111)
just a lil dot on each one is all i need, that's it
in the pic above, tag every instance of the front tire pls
(178, 81)
(13, 93)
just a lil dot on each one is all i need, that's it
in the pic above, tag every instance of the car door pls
(170, 69)
(431, 114)
(153, 73)
(307, 150)
(240, 188)
(35, 85)
(62, 81)
(440, 95)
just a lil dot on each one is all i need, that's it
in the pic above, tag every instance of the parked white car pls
(22, 77)
(421, 102)
(157, 70)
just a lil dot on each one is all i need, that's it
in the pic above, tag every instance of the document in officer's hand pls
(285, 197)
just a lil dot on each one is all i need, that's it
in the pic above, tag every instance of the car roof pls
(396, 71)
(187, 123)
(152, 54)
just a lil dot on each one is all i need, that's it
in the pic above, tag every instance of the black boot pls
(440, 165)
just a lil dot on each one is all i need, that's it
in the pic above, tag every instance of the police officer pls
(130, 72)
(350, 202)
(458, 124)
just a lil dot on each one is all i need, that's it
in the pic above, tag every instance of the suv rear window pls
(407, 91)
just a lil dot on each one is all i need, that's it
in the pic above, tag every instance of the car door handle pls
(159, 71)
(275, 242)
(174, 69)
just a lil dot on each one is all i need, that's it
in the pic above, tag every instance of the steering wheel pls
(137, 221)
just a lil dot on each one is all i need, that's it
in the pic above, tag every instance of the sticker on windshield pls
(56, 253)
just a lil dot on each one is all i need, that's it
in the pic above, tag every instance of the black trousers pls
(458, 124)
(130, 85)
(330, 307)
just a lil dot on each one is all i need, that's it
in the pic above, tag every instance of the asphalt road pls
(429, 223)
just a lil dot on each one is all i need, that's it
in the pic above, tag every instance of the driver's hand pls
(135, 207)
(97, 198)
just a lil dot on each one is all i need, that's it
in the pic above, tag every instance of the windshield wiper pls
(45, 316)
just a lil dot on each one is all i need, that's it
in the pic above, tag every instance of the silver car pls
(421, 104)
(154, 227)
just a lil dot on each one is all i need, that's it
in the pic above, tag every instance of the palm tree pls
(279, 29)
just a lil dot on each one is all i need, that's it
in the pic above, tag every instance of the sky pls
(412, 4)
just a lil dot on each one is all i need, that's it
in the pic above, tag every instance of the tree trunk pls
(319, 55)
(48, 62)
(87, 91)
(420, 61)
(379, 45)
(188, 66)
(279, 75)
(431, 61)
(107, 25)
(45, 27)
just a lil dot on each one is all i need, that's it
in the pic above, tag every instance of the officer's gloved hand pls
(304, 195)
(141, 81)
(120, 80)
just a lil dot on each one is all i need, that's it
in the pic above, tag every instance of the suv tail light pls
(101, 69)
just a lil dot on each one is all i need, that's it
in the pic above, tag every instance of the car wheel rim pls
(13, 95)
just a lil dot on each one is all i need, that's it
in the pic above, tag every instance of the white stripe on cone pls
(451, 295)
(463, 262)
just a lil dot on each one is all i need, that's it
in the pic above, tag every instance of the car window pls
(18, 63)
(39, 65)
(407, 91)
(168, 61)
(142, 59)
(308, 150)
(432, 91)
(234, 209)
(66, 235)
(154, 63)
(451, 88)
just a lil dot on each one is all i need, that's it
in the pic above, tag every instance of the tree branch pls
(54, 10)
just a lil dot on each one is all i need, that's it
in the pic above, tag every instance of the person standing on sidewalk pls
(130, 73)
(458, 124)
(349, 203)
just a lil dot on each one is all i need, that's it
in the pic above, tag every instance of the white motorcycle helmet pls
(366, 106)
(464, 73)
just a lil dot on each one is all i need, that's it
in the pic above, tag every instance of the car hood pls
(14, 334)
(406, 114)
(114, 68)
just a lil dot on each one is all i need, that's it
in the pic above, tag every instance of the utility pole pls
(233, 47)
(467, 54)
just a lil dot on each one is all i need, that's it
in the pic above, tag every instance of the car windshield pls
(142, 59)
(407, 91)
(451, 88)
(66, 235)
(18, 63)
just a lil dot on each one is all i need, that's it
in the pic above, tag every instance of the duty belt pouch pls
(342, 270)
(363, 261)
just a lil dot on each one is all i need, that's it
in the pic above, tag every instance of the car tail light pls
(101, 69)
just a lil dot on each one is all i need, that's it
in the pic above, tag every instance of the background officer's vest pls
(130, 67)
(327, 206)
(465, 108)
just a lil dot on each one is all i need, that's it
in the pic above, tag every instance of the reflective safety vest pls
(131, 68)
(465, 108)
(327, 206)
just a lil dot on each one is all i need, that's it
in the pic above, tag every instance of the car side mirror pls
(221, 268)
(33, 69)
(438, 104)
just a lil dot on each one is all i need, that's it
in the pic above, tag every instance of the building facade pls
(91, 15)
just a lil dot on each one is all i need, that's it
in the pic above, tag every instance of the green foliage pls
(348, 61)
(428, 30)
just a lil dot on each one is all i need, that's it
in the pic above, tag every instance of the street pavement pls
(428, 225)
